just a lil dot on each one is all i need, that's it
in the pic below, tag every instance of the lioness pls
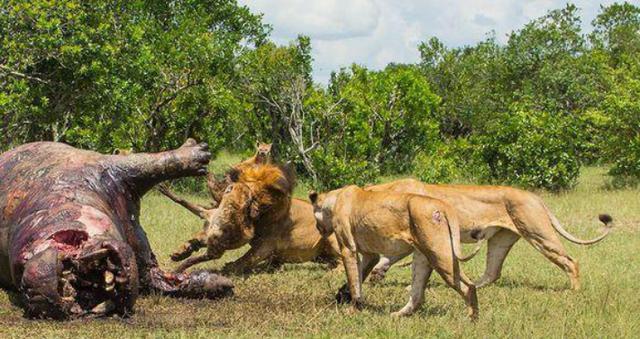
(262, 156)
(501, 215)
(123, 151)
(257, 209)
(392, 224)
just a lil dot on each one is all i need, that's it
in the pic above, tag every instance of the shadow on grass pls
(278, 267)
(513, 284)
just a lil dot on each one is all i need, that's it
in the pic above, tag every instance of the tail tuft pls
(605, 219)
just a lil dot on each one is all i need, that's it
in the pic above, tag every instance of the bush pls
(624, 139)
(380, 121)
(335, 171)
(532, 149)
(454, 161)
(593, 124)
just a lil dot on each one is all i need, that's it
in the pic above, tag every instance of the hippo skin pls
(71, 243)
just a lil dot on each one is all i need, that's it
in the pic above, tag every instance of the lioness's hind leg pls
(421, 271)
(384, 264)
(542, 236)
(498, 247)
(553, 250)
(435, 240)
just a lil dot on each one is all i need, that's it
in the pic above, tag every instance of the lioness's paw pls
(398, 314)
(376, 276)
(343, 296)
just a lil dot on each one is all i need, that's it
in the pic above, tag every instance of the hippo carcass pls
(71, 242)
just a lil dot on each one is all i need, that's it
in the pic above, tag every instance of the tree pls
(616, 31)
(131, 73)
(623, 107)
(467, 81)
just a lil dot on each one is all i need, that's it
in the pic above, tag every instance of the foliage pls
(466, 81)
(146, 75)
(454, 161)
(384, 118)
(119, 73)
(623, 107)
(532, 149)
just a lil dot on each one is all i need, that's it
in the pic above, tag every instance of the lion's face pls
(323, 211)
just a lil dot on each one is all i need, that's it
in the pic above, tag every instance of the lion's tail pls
(606, 219)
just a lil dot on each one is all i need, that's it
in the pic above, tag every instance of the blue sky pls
(376, 32)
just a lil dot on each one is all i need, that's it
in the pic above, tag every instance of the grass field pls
(530, 300)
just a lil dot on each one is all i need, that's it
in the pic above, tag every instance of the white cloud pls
(376, 32)
(324, 20)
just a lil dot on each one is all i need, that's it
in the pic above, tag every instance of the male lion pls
(392, 224)
(217, 187)
(257, 208)
(501, 215)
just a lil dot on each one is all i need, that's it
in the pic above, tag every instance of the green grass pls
(530, 300)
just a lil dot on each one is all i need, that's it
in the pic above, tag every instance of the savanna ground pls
(531, 299)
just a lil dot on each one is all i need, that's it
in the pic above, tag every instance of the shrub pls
(380, 121)
(532, 149)
(335, 171)
(594, 123)
(453, 161)
(624, 137)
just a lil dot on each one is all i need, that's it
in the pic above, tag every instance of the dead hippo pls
(71, 243)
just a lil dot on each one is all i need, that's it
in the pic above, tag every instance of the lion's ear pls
(313, 197)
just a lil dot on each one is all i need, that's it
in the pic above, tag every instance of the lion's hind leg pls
(552, 249)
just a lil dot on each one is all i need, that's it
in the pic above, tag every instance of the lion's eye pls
(229, 188)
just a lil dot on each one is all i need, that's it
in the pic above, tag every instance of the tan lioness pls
(262, 156)
(501, 215)
(392, 224)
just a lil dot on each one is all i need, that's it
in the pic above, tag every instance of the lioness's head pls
(323, 204)
(263, 153)
(123, 151)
